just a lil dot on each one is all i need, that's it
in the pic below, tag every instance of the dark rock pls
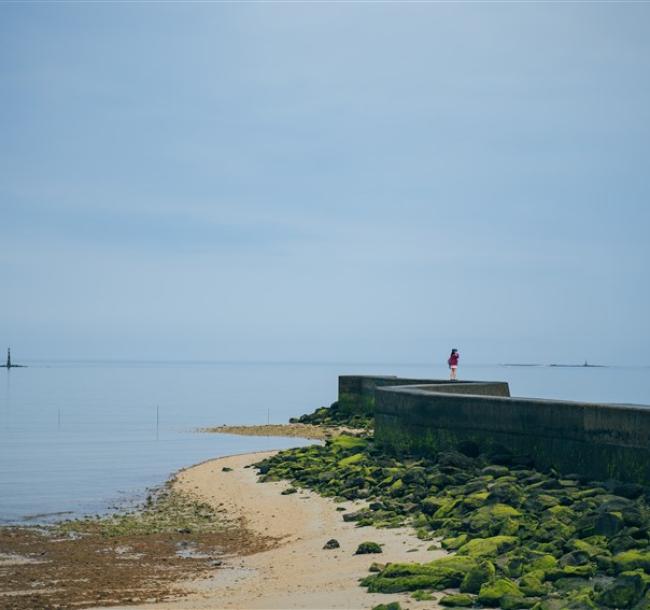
(575, 558)
(625, 591)
(628, 490)
(415, 475)
(355, 516)
(332, 544)
(495, 470)
(506, 493)
(477, 576)
(455, 459)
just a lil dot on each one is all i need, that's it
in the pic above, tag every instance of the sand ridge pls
(298, 573)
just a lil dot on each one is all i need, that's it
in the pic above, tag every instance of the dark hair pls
(454, 350)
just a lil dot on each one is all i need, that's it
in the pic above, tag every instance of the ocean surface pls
(86, 437)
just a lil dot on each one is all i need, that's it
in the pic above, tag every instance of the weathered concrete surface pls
(599, 441)
(357, 392)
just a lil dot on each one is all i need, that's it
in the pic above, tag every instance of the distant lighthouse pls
(9, 364)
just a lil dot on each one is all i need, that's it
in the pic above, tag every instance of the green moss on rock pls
(625, 591)
(488, 547)
(389, 606)
(491, 593)
(451, 544)
(457, 600)
(366, 548)
(630, 560)
(515, 602)
(532, 586)
(477, 576)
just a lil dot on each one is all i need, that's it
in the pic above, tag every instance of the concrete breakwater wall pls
(599, 441)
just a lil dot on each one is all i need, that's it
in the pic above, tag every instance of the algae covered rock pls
(332, 543)
(495, 470)
(489, 520)
(389, 606)
(575, 558)
(487, 547)
(350, 460)
(522, 537)
(506, 492)
(366, 548)
(531, 586)
(422, 596)
(594, 546)
(630, 560)
(537, 561)
(457, 600)
(491, 593)
(515, 602)
(643, 603)
(443, 573)
(483, 572)
(451, 544)
(625, 591)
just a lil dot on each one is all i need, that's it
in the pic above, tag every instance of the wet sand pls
(298, 572)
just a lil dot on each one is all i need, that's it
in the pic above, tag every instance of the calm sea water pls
(82, 438)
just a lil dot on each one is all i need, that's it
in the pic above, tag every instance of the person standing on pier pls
(453, 363)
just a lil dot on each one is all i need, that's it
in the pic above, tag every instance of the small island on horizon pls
(557, 365)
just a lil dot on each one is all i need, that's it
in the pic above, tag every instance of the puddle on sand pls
(188, 550)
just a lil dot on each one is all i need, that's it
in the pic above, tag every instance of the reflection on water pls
(84, 437)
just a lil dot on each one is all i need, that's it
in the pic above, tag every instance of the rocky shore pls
(520, 538)
(342, 524)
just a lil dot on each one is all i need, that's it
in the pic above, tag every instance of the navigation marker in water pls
(9, 364)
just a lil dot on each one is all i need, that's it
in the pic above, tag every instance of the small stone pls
(332, 544)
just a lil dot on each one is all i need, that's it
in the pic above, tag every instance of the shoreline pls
(270, 554)
(296, 572)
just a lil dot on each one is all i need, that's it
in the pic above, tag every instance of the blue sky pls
(337, 182)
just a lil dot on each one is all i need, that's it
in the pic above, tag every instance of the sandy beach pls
(298, 572)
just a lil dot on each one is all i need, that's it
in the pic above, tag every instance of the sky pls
(339, 182)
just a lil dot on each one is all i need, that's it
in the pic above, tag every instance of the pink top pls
(453, 359)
